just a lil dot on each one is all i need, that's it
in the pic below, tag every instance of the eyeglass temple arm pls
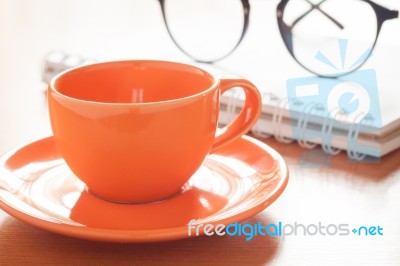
(316, 7)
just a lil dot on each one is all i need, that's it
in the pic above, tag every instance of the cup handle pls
(247, 116)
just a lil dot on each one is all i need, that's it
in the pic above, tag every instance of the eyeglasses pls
(210, 30)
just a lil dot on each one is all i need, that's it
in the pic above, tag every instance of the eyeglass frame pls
(246, 20)
(382, 14)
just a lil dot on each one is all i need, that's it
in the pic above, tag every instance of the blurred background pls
(126, 29)
(29, 30)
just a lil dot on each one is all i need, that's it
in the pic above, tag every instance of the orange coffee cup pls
(136, 131)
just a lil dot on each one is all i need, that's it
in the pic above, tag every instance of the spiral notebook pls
(294, 109)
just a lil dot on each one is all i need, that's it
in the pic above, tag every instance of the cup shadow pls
(23, 242)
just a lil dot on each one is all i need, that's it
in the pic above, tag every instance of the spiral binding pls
(305, 112)
(277, 120)
(302, 124)
(353, 134)
(327, 132)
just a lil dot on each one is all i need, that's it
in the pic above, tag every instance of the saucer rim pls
(148, 235)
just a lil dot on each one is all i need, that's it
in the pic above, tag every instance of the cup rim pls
(52, 87)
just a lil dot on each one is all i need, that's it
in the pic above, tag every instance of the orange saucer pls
(236, 182)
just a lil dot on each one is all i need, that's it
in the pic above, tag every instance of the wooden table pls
(356, 194)
(351, 193)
